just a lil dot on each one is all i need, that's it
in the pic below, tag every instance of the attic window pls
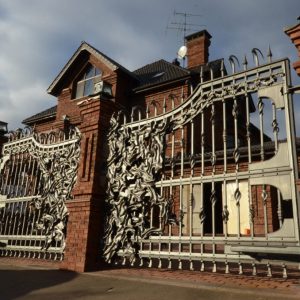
(86, 84)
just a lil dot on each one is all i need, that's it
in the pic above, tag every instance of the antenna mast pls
(183, 26)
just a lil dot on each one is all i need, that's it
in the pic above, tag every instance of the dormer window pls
(86, 84)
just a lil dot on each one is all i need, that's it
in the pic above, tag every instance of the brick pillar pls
(3, 140)
(294, 34)
(86, 218)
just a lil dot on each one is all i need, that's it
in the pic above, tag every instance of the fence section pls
(37, 174)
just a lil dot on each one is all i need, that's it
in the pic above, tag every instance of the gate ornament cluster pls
(187, 184)
(37, 175)
(134, 165)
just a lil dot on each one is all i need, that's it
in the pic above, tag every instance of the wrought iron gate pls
(202, 184)
(37, 174)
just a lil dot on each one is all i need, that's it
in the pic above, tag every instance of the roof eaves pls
(44, 115)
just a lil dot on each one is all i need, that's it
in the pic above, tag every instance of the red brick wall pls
(294, 34)
(85, 225)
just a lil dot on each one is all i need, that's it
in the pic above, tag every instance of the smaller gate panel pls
(37, 174)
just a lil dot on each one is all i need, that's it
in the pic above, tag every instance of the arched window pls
(86, 84)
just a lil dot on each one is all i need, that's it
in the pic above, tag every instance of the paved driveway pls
(29, 282)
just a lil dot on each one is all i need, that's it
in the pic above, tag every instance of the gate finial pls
(255, 52)
(269, 55)
(245, 63)
(232, 59)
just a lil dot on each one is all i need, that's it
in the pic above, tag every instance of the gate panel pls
(206, 181)
(37, 175)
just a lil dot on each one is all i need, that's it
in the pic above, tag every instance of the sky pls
(37, 38)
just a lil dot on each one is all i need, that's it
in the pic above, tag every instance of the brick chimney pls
(294, 34)
(197, 48)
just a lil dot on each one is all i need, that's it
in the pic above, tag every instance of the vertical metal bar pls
(275, 127)
(24, 216)
(251, 210)
(181, 213)
(279, 208)
(261, 125)
(248, 133)
(225, 136)
(225, 209)
(16, 171)
(29, 166)
(264, 196)
(192, 164)
(213, 197)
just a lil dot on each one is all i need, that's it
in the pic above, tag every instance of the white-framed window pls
(86, 84)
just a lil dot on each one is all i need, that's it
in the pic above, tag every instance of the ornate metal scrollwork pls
(134, 165)
(57, 159)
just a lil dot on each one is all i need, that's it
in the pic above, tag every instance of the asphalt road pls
(39, 283)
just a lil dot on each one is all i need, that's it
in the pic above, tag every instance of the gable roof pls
(158, 72)
(84, 48)
(43, 115)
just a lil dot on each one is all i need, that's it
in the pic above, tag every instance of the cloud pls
(38, 38)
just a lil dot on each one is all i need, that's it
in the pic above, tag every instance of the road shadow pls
(16, 282)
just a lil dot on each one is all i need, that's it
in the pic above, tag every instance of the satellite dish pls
(182, 52)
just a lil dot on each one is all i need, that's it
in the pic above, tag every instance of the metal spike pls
(202, 268)
(227, 271)
(269, 55)
(241, 269)
(255, 52)
(269, 272)
(284, 271)
(191, 266)
(170, 264)
(245, 63)
(214, 269)
(132, 261)
(159, 264)
(232, 59)
(179, 265)
(141, 262)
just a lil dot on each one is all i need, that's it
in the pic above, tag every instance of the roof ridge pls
(164, 61)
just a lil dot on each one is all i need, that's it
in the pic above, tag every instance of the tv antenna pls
(183, 25)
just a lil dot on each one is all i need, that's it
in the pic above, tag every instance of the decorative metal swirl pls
(134, 165)
(225, 214)
(237, 196)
